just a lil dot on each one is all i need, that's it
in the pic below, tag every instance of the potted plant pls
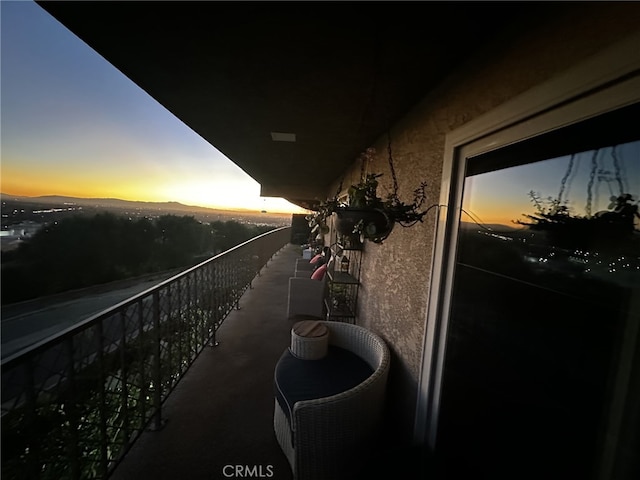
(318, 220)
(367, 215)
(363, 214)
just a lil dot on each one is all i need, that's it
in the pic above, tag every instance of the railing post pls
(71, 410)
(124, 395)
(194, 305)
(177, 330)
(168, 332)
(32, 448)
(157, 367)
(142, 360)
(236, 280)
(102, 400)
(214, 292)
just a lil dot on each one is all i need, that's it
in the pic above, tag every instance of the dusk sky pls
(72, 124)
(502, 197)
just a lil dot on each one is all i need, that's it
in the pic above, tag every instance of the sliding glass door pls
(541, 366)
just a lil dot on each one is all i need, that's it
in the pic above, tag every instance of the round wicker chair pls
(332, 438)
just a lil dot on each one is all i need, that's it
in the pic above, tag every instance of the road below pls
(29, 322)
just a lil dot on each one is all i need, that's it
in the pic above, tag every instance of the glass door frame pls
(603, 83)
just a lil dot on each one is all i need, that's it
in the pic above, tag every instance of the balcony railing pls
(73, 404)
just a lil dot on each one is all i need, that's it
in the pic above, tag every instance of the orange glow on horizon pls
(23, 181)
(29, 183)
(496, 214)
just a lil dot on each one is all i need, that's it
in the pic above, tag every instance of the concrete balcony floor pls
(221, 412)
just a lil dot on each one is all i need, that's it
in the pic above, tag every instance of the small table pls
(309, 340)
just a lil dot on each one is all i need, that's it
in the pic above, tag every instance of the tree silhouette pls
(82, 251)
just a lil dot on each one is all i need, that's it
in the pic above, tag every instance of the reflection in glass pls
(588, 230)
(546, 292)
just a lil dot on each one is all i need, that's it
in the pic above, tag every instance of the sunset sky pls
(72, 124)
(502, 197)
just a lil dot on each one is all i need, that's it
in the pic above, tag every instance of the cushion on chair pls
(316, 258)
(319, 272)
(328, 437)
(297, 379)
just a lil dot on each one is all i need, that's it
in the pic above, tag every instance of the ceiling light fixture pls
(283, 137)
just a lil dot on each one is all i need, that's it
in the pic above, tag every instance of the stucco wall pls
(395, 275)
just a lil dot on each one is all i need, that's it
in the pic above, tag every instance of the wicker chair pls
(303, 268)
(330, 438)
(306, 295)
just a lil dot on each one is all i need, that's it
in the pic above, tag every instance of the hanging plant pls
(318, 220)
(368, 215)
(569, 230)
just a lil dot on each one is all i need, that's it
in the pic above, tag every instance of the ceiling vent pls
(283, 137)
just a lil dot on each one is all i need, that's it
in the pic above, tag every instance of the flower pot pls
(370, 223)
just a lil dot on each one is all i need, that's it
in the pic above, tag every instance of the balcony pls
(176, 382)
(221, 412)
(484, 368)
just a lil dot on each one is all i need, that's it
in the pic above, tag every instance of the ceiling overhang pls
(333, 75)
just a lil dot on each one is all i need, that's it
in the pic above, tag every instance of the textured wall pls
(395, 275)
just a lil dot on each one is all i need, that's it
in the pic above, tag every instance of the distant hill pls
(117, 203)
(17, 209)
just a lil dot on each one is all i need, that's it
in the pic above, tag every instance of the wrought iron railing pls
(73, 404)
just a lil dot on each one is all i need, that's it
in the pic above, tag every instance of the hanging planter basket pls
(363, 214)
(368, 223)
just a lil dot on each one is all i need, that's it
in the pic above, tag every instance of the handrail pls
(74, 403)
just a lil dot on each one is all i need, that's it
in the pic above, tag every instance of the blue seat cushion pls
(297, 379)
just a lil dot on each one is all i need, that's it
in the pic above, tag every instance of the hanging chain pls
(339, 191)
(393, 170)
(565, 178)
(616, 164)
(592, 176)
